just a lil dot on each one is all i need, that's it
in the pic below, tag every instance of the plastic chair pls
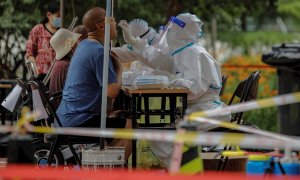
(224, 81)
(247, 90)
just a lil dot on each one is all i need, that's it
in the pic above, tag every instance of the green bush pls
(265, 119)
(247, 40)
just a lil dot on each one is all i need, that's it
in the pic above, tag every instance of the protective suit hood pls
(179, 36)
(140, 28)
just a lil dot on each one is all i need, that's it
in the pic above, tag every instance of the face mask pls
(129, 46)
(200, 34)
(56, 22)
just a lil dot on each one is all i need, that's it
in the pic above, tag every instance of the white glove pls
(129, 39)
(183, 83)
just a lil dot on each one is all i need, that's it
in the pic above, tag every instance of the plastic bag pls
(150, 82)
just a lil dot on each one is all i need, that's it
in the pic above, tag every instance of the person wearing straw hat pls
(79, 30)
(64, 43)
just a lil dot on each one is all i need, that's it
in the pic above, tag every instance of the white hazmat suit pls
(192, 66)
(190, 63)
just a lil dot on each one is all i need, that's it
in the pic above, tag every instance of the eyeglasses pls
(112, 20)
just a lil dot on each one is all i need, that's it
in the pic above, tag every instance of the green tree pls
(17, 17)
(289, 7)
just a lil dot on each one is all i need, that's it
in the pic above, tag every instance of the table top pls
(213, 155)
(8, 81)
(5, 86)
(129, 90)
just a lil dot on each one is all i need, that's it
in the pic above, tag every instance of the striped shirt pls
(38, 46)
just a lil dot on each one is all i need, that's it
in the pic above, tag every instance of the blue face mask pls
(56, 22)
(200, 34)
(129, 46)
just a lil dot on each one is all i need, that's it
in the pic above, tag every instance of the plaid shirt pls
(38, 46)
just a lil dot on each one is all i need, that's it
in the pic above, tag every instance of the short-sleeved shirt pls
(38, 46)
(83, 87)
(58, 77)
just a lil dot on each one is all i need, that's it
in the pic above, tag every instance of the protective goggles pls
(173, 21)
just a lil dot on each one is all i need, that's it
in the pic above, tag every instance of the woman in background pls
(38, 49)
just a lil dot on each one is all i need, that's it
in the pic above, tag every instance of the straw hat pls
(63, 41)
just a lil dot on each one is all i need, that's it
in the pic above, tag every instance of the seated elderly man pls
(81, 101)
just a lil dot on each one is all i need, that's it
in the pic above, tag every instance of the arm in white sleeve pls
(200, 70)
(124, 54)
(155, 58)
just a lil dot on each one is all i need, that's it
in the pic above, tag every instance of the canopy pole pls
(105, 69)
(112, 8)
(62, 11)
(112, 15)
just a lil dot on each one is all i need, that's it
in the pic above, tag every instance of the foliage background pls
(263, 118)
(242, 32)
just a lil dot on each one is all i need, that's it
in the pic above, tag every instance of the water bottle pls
(289, 168)
(257, 164)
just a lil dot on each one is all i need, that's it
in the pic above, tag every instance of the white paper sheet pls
(11, 100)
(38, 107)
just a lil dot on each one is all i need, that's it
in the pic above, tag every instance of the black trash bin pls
(286, 58)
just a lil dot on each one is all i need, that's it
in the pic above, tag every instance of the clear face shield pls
(172, 22)
(178, 38)
(161, 29)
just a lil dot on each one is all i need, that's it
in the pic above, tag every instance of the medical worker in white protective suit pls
(139, 29)
(193, 67)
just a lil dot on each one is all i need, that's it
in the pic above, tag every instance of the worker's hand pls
(31, 65)
(180, 83)
(129, 39)
(124, 25)
(114, 55)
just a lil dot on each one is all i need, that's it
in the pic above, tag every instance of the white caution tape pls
(26, 117)
(251, 105)
(208, 138)
(245, 129)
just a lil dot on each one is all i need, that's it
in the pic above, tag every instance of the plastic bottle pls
(290, 166)
(257, 164)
